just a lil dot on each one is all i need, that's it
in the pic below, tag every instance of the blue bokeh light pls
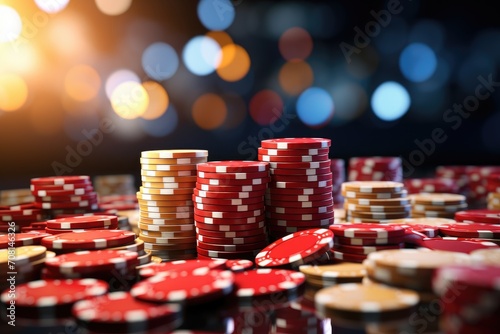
(160, 61)
(315, 107)
(162, 126)
(390, 101)
(201, 55)
(417, 62)
(216, 14)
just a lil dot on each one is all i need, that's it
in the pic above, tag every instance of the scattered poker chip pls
(367, 230)
(91, 261)
(296, 143)
(79, 222)
(120, 312)
(257, 283)
(455, 244)
(364, 300)
(96, 239)
(296, 249)
(22, 239)
(479, 216)
(471, 230)
(43, 294)
(189, 287)
(21, 255)
(369, 241)
(476, 279)
(239, 265)
(335, 272)
(181, 266)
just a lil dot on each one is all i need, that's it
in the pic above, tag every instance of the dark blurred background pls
(85, 86)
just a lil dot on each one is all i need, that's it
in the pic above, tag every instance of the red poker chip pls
(231, 182)
(226, 255)
(120, 312)
(299, 198)
(365, 250)
(181, 266)
(300, 165)
(296, 143)
(228, 202)
(92, 261)
(189, 287)
(229, 215)
(69, 186)
(368, 241)
(230, 225)
(302, 178)
(246, 247)
(233, 167)
(229, 208)
(298, 191)
(21, 218)
(305, 216)
(454, 244)
(287, 185)
(53, 293)
(22, 239)
(361, 230)
(299, 205)
(60, 180)
(96, 239)
(79, 222)
(300, 223)
(471, 230)
(234, 234)
(479, 216)
(480, 276)
(75, 192)
(68, 198)
(347, 257)
(240, 188)
(290, 172)
(67, 205)
(293, 158)
(233, 176)
(232, 241)
(428, 230)
(293, 152)
(297, 248)
(256, 283)
(298, 210)
(228, 194)
(239, 265)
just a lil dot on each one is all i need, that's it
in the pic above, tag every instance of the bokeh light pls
(295, 76)
(295, 44)
(209, 111)
(13, 92)
(130, 100)
(351, 101)
(235, 63)
(68, 35)
(221, 37)
(160, 61)
(162, 126)
(10, 24)
(315, 107)
(201, 55)
(21, 58)
(266, 107)
(118, 77)
(51, 6)
(82, 82)
(216, 14)
(390, 101)
(113, 7)
(418, 62)
(158, 100)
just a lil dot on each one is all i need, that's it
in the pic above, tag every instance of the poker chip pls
(90, 261)
(367, 230)
(375, 169)
(276, 223)
(296, 143)
(239, 265)
(22, 239)
(471, 230)
(300, 165)
(220, 247)
(187, 287)
(96, 239)
(373, 186)
(348, 257)
(230, 226)
(296, 249)
(455, 244)
(165, 228)
(292, 158)
(342, 272)
(479, 216)
(228, 220)
(229, 208)
(233, 182)
(228, 194)
(236, 188)
(369, 241)
(298, 191)
(216, 254)
(181, 266)
(431, 185)
(365, 250)
(375, 196)
(365, 300)
(119, 312)
(79, 222)
(137, 246)
(21, 256)
(252, 284)
(301, 172)
(169, 234)
(231, 234)
(233, 167)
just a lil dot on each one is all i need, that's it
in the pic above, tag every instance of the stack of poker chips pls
(354, 241)
(229, 209)
(331, 274)
(478, 183)
(18, 217)
(12, 197)
(300, 192)
(438, 205)
(64, 194)
(478, 216)
(493, 187)
(459, 175)
(26, 261)
(115, 185)
(373, 201)
(338, 177)
(166, 222)
(375, 169)
(431, 185)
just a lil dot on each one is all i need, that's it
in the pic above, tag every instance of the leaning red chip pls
(181, 266)
(454, 244)
(263, 282)
(239, 265)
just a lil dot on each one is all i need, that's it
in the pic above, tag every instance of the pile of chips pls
(165, 202)
(493, 187)
(478, 182)
(431, 185)
(300, 193)
(229, 209)
(15, 218)
(65, 194)
(438, 205)
(338, 177)
(373, 201)
(375, 169)
(106, 185)
(11, 197)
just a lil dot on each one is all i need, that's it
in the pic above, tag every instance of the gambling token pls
(164, 191)
(79, 222)
(301, 210)
(128, 314)
(233, 176)
(251, 284)
(168, 179)
(296, 143)
(231, 182)
(288, 185)
(88, 196)
(300, 223)
(172, 203)
(43, 294)
(367, 230)
(171, 173)
(437, 199)
(167, 241)
(428, 230)
(165, 209)
(230, 226)
(163, 198)
(471, 230)
(378, 215)
(228, 195)
(379, 202)
(182, 266)
(365, 249)
(91, 261)
(347, 257)
(297, 248)
(299, 198)
(372, 186)
(342, 272)
(66, 205)
(96, 239)
(166, 228)
(239, 265)
(380, 195)
(21, 255)
(225, 189)
(35, 188)
(227, 255)
(305, 216)
(356, 298)
(60, 180)
(166, 216)
(174, 154)
(168, 235)
(447, 208)
(368, 241)
(157, 164)
(427, 221)
(376, 162)
(75, 192)
(293, 158)
(299, 191)
(231, 234)
(170, 185)
(228, 215)
(302, 178)
(232, 241)
(22, 239)
(227, 202)
(231, 248)
(299, 205)
(479, 216)
(137, 246)
(144, 259)
(490, 256)
(166, 221)
(170, 247)
(300, 165)
(157, 170)
(233, 167)
(229, 208)
(299, 171)
(292, 152)
(187, 287)
(376, 208)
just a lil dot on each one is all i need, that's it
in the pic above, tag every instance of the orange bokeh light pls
(235, 63)
(13, 92)
(295, 43)
(295, 76)
(82, 83)
(158, 100)
(221, 37)
(209, 111)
